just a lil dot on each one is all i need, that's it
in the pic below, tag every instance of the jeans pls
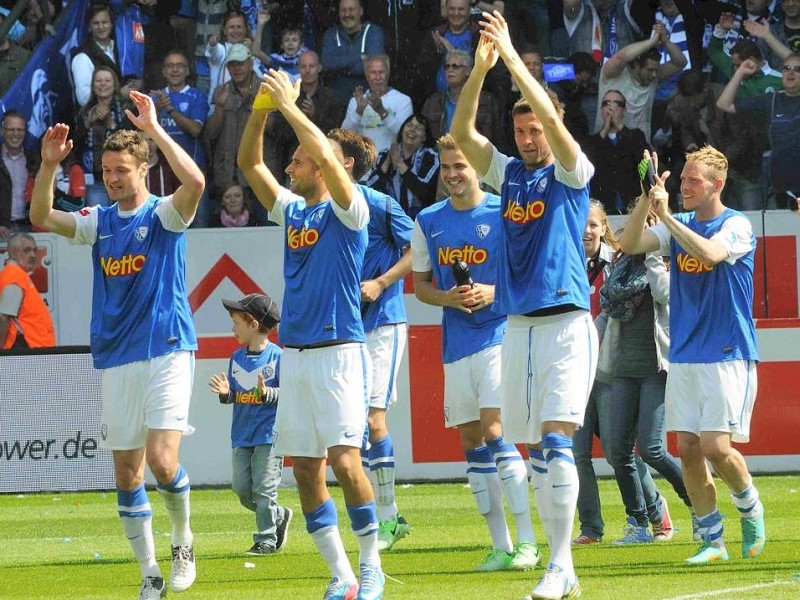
(589, 513)
(598, 421)
(256, 476)
(637, 405)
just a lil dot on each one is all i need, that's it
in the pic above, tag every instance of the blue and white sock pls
(137, 522)
(561, 496)
(514, 481)
(175, 495)
(365, 527)
(710, 527)
(747, 502)
(486, 489)
(323, 525)
(381, 465)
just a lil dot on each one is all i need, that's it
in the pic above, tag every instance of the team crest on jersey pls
(140, 233)
(268, 371)
(318, 216)
(541, 185)
(482, 230)
(183, 106)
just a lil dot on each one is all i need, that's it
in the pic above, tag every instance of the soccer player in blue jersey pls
(252, 385)
(466, 227)
(142, 335)
(383, 313)
(550, 346)
(711, 386)
(325, 368)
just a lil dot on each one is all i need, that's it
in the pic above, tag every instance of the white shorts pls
(712, 397)
(470, 384)
(324, 399)
(143, 395)
(385, 345)
(548, 371)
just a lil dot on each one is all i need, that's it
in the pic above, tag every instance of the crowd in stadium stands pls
(631, 74)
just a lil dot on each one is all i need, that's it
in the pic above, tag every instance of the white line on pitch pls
(747, 588)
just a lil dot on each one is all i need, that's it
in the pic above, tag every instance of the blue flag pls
(43, 91)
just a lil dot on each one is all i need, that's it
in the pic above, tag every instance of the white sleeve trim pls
(357, 215)
(169, 216)
(736, 236)
(85, 227)
(664, 236)
(580, 176)
(497, 170)
(420, 257)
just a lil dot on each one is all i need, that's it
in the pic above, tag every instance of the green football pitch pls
(71, 546)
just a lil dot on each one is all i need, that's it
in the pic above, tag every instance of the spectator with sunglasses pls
(615, 151)
(779, 114)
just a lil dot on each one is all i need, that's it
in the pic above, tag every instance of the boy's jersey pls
(323, 259)
(389, 231)
(253, 419)
(711, 308)
(140, 308)
(192, 103)
(541, 262)
(442, 235)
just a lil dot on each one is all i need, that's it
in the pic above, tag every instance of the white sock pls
(747, 502)
(485, 484)
(562, 498)
(514, 480)
(330, 546)
(137, 522)
(175, 495)
(539, 484)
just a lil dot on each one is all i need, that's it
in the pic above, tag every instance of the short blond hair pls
(446, 142)
(713, 160)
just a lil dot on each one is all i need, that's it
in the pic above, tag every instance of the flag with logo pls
(43, 91)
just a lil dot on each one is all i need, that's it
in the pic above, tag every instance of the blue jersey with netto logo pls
(389, 231)
(323, 259)
(140, 308)
(471, 236)
(253, 419)
(711, 308)
(541, 260)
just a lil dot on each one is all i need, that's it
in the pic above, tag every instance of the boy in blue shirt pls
(252, 386)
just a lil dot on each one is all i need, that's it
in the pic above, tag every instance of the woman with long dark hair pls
(409, 169)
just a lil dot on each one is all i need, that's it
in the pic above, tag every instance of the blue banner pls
(43, 91)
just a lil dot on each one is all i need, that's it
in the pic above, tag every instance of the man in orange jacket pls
(24, 318)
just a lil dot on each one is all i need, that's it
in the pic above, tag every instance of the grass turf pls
(71, 546)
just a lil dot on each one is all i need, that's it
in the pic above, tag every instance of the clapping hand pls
(55, 145)
(146, 119)
(658, 196)
(219, 384)
(496, 29)
(486, 54)
(284, 93)
(360, 98)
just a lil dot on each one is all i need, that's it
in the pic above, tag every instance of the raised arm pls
(560, 139)
(311, 138)
(627, 54)
(761, 29)
(187, 196)
(55, 148)
(677, 61)
(250, 157)
(635, 239)
(727, 97)
(477, 148)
